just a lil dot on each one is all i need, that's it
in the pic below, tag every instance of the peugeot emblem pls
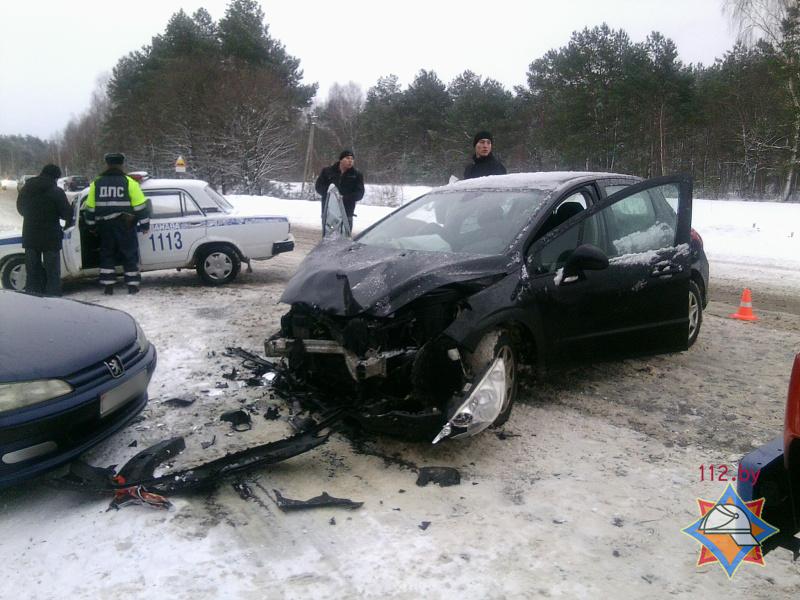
(115, 366)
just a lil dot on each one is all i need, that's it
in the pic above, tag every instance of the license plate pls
(121, 395)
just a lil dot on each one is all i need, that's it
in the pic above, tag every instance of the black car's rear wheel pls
(498, 343)
(695, 311)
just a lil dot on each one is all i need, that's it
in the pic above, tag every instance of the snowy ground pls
(584, 496)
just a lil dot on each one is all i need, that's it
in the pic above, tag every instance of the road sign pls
(180, 165)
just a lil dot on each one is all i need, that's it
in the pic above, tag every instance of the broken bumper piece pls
(483, 405)
(360, 369)
(138, 473)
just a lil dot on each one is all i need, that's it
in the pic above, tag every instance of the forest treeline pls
(229, 98)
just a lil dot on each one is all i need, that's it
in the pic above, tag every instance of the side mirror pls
(586, 257)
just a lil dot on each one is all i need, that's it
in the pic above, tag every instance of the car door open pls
(638, 302)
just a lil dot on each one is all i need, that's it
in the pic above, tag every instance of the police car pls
(191, 226)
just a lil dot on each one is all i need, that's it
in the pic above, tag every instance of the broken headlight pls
(482, 406)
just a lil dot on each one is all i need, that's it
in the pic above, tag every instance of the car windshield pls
(470, 221)
(219, 200)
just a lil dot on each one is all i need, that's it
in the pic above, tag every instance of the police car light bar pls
(139, 175)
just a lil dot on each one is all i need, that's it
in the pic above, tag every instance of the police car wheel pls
(13, 273)
(218, 264)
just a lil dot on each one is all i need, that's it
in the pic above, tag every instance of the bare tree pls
(777, 24)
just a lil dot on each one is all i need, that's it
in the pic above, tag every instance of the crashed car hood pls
(346, 278)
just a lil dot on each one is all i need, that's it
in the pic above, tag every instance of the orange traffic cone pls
(745, 312)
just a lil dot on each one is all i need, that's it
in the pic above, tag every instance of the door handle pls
(666, 270)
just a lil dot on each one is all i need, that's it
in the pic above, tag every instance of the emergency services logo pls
(731, 531)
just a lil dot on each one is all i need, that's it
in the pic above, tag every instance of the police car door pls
(176, 225)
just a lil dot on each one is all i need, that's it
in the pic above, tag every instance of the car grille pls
(98, 371)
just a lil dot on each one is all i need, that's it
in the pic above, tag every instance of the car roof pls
(188, 184)
(550, 180)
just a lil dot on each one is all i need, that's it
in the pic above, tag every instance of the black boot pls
(133, 289)
(108, 290)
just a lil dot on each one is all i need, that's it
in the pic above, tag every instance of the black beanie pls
(481, 135)
(114, 158)
(51, 171)
(346, 153)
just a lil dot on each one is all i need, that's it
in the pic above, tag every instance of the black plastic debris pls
(273, 413)
(137, 477)
(424, 525)
(323, 500)
(505, 435)
(332, 521)
(133, 444)
(179, 402)
(209, 443)
(301, 423)
(221, 385)
(232, 375)
(239, 420)
(245, 491)
(444, 476)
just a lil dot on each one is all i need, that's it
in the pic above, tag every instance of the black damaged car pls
(420, 324)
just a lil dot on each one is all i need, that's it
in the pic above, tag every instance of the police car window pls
(165, 205)
(222, 205)
(190, 208)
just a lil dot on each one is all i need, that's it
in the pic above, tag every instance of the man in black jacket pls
(347, 180)
(483, 161)
(42, 203)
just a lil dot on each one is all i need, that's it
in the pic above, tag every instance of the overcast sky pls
(52, 52)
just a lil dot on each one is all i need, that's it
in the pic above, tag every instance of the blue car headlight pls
(20, 394)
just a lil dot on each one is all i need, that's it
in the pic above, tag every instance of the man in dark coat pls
(347, 180)
(483, 161)
(42, 203)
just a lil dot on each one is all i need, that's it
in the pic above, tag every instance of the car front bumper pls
(39, 438)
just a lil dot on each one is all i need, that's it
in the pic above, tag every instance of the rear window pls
(222, 204)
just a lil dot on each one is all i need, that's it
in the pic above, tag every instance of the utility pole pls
(307, 168)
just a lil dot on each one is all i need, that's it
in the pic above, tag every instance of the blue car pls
(71, 374)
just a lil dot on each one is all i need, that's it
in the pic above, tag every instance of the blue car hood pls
(45, 338)
(345, 278)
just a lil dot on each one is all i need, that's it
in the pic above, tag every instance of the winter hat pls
(346, 153)
(51, 171)
(114, 158)
(481, 135)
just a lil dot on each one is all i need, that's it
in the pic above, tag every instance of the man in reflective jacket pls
(117, 207)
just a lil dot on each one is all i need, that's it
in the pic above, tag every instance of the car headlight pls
(27, 393)
(141, 340)
(482, 406)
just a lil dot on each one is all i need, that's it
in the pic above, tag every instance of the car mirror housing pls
(586, 257)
